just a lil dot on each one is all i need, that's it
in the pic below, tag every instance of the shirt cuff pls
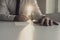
(6, 17)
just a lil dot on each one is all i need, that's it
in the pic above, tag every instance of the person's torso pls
(11, 5)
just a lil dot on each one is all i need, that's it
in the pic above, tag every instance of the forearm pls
(4, 12)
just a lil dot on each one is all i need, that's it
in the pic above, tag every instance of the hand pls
(21, 18)
(45, 21)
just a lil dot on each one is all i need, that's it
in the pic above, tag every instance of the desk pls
(23, 31)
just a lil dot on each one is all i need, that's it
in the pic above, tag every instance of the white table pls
(27, 31)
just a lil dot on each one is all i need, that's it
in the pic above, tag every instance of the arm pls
(37, 11)
(4, 13)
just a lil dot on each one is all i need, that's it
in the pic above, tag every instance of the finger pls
(42, 22)
(55, 23)
(47, 21)
(50, 22)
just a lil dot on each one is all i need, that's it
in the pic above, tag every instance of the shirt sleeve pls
(37, 8)
(4, 12)
(37, 12)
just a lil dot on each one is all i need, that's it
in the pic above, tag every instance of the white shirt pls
(7, 7)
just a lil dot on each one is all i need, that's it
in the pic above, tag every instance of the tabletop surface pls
(26, 31)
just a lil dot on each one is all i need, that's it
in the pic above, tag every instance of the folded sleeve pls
(4, 12)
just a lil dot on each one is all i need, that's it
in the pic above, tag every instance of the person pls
(8, 11)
